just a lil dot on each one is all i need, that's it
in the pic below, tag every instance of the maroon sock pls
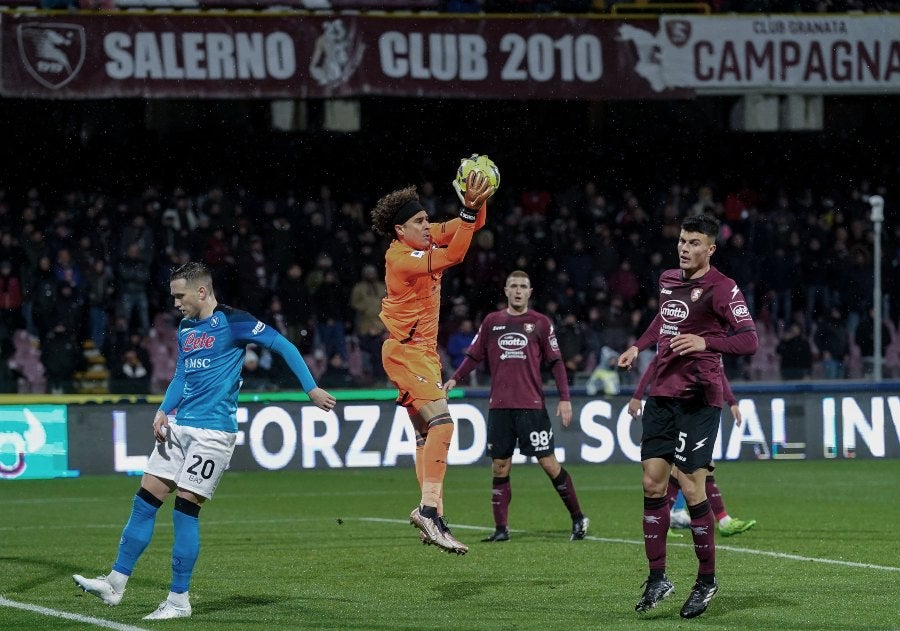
(501, 495)
(672, 491)
(656, 527)
(715, 498)
(566, 489)
(703, 531)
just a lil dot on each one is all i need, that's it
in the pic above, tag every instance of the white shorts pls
(193, 458)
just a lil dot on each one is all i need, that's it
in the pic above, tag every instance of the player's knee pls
(653, 485)
(501, 468)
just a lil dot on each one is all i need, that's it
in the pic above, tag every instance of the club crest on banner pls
(337, 53)
(678, 32)
(51, 52)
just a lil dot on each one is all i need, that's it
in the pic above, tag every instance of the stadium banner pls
(276, 436)
(221, 55)
(34, 442)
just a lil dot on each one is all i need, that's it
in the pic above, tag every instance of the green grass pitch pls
(333, 550)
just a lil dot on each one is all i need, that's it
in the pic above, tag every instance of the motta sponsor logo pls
(52, 52)
(674, 311)
(194, 342)
(512, 341)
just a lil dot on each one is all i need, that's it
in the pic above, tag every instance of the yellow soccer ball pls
(478, 163)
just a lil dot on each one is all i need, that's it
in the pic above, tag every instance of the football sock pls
(434, 458)
(656, 527)
(420, 448)
(501, 496)
(186, 548)
(137, 532)
(716, 503)
(703, 532)
(672, 491)
(566, 488)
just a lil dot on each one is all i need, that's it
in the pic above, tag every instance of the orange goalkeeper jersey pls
(413, 278)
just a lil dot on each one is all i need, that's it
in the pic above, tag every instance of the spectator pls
(779, 276)
(69, 311)
(795, 352)
(43, 298)
(365, 299)
(337, 373)
(459, 342)
(100, 291)
(138, 233)
(61, 357)
(133, 277)
(831, 338)
(297, 306)
(253, 374)
(332, 301)
(573, 345)
(814, 280)
(254, 276)
(67, 271)
(10, 300)
(131, 372)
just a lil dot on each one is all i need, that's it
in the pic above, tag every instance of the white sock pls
(181, 600)
(117, 580)
(725, 521)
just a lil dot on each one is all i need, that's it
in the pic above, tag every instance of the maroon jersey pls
(515, 346)
(708, 306)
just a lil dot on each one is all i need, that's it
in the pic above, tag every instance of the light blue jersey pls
(208, 374)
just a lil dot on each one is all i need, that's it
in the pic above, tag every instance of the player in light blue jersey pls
(192, 453)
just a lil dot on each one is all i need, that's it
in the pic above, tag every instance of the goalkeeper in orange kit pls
(414, 263)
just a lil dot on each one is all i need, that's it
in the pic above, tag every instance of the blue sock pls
(137, 532)
(186, 548)
(680, 504)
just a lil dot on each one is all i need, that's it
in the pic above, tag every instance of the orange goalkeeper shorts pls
(416, 371)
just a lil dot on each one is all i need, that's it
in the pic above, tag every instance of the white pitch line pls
(97, 622)
(777, 555)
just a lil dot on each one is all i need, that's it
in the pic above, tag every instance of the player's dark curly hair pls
(386, 209)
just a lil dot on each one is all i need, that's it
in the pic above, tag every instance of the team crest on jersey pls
(214, 321)
(696, 292)
(417, 254)
(529, 327)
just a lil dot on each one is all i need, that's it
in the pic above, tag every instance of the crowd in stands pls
(488, 6)
(84, 278)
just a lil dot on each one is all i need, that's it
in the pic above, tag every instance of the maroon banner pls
(281, 56)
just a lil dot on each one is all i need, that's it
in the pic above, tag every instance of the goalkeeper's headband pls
(407, 211)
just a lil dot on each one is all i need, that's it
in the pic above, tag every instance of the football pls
(479, 163)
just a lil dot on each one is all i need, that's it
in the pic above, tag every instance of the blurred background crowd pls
(85, 305)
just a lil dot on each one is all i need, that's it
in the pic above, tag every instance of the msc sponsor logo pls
(197, 362)
(674, 311)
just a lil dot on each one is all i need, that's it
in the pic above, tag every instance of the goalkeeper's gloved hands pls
(478, 189)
